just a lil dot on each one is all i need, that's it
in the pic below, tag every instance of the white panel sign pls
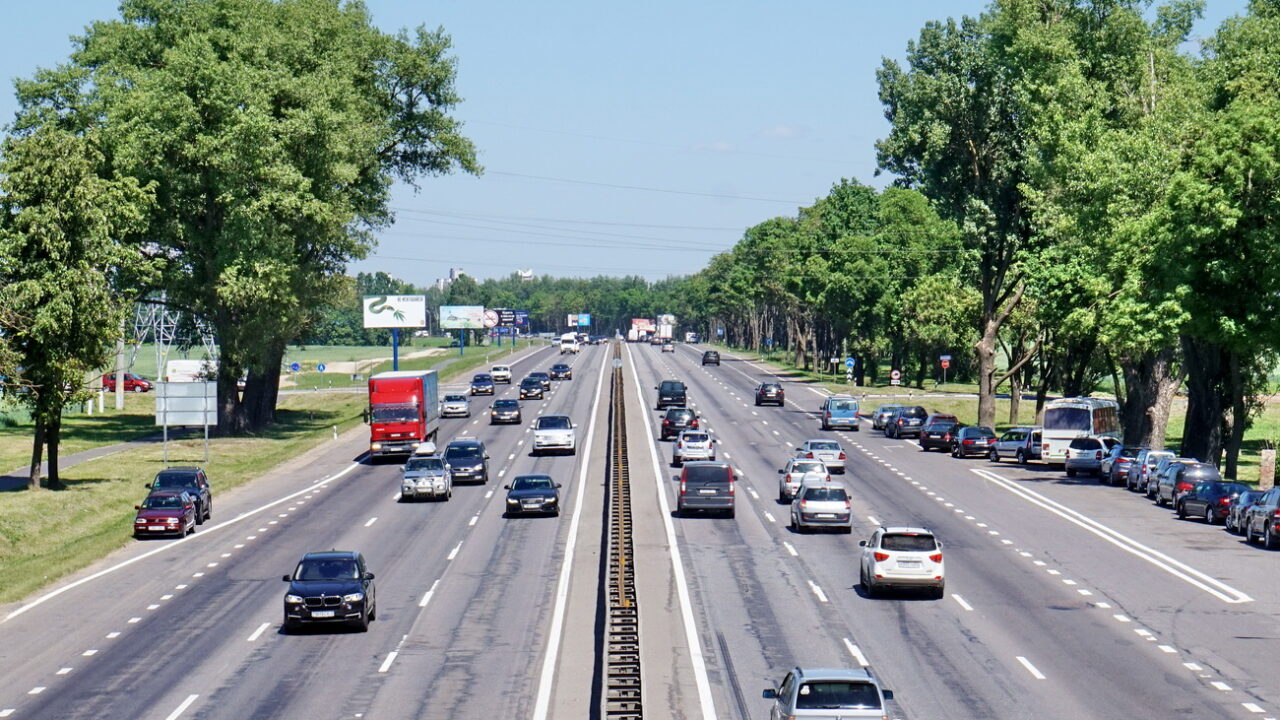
(395, 311)
(187, 403)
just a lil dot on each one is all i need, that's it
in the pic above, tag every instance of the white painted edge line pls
(204, 533)
(1031, 668)
(182, 708)
(386, 664)
(962, 602)
(856, 653)
(697, 659)
(258, 633)
(546, 679)
(1174, 567)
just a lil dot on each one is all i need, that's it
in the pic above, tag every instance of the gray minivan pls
(705, 485)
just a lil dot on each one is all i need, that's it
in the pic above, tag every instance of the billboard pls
(461, 317)
(395, 311)
(584, 319)
(666, 319)
(572, 321)
(643, 325)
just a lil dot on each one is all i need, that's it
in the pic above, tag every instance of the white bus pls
(1071, 418)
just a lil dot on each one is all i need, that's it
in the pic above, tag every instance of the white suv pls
(908, 557)
(692, 445)
(554, 433)
(501, 374)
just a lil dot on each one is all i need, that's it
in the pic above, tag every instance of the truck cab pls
(404, 411)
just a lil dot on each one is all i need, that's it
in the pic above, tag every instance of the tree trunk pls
(1015, 396)
(53, 435)
(1150, 382)
(985, 353)
(1239, 418)
(37, 453)
(1208, 368)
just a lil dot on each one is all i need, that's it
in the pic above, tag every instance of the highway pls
(1065, 599)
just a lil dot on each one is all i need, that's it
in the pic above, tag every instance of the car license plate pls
(706, 492)
(826, 516)
(322, 613)
(155, 527)
(908, 563)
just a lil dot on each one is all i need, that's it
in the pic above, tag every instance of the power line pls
(478, 216)
(645, 189)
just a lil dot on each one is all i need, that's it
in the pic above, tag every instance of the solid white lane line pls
(169, 546)
(1031, 668)
(546, 680)
(182, 708)
(426, 598)
(1174, 567)
(856, 652)
(697, 659)
(790, 549)
(822, 597)
(258, 633)
(372, 520)
(963, 603)
(386, 664)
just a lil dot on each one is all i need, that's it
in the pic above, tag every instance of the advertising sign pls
(491, 318)
(572, 321)
(666, 319)
(506, 317)
(643, 325)
(395, 311)
(461, 317)
(584, 319)
(522, 318)
(187, 403)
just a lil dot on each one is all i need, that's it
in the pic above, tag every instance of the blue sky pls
(678, 123)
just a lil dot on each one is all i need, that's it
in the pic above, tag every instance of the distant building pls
(525, 274)
(442, 284)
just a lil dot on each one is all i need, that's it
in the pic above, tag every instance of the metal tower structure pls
(155, 322)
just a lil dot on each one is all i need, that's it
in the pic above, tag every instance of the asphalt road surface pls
(1065, 599)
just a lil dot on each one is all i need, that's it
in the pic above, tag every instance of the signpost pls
(321, 367)
(895, 377)
(946, 363)
(187, 403)
(848, 369)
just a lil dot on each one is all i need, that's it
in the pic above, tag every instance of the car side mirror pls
(558, 485)
(146, 485)
(506, 487)
(575, 424)
(782, 471)
(284, 578)
(188, 507)
(368, 576)
(137, 507)
(675, 478)
(797, 449)
(888, 694)
(862, 543)
(770, 694)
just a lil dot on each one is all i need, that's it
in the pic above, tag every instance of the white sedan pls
(554, 433)
(828, 451)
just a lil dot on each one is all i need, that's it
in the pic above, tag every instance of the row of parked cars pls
(178, 499)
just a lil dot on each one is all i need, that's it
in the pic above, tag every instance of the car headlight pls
(512, 501)
(375, 446)
(353, 597)
(293, 599)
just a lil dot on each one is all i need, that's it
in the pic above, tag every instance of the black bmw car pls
(531, 389)
(533, 494)
(330, 587)
(560, 371)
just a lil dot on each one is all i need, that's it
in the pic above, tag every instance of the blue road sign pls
(848, 362)
(295, 367)
(320, 367)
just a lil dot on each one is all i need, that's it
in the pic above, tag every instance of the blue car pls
(482, 384)
(840, 411)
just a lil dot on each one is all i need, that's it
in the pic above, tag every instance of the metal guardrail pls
(621, 651)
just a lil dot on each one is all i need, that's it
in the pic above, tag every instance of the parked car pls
(937, 431)
(554, 433)
(533, 494)
(822, 504)
(455, 406)
(824, 693)
(544, 378)
(1209, 500)
(906, 557)
(692, 445)
(881, 415)
(165, 512)
(468, 460)
(1143, 469)
(505, 411)
(482, 384)
(972, 440)
(561, 371)
(1234, 520)
(426, 475)
(1084, 455)
(501, 373)
(907, 420)
(1115, 465)
(330, 587)
(531, 389)
(706, 486)
(1181, 478)
(671, 393)
(132, 383)
(193, 481)
(1022, 444)
(711, 357)
(828, 451)
(772, 393)
(1164, 466)
(1262, 519)
(796, 470)
(676, 420)
(839, 411)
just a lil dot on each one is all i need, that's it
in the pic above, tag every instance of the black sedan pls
(544, 378)
(1234, 519)
(677, 419)
(531, 389)
(482, 384)
(533, 494)
(505, 411)
(1209, 500)
(937, 435)
(972, 440)
(330, 587)
(770, 392)
(560, 371)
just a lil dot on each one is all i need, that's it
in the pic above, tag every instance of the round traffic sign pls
(320, 367)
(946, 364)
(896, 374)
(295, 367)
(490, 318)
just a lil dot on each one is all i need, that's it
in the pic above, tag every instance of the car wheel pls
(362, 622)
(287, 626)
(1210, 517)
(994, 456)
(137, 388)
(1022, 458)
(1071, 472)
(1248, 531)
(1269, 541)
(1180, 511)
(955, 452)
(373, 612)
(782, 495)
(825, 426)
(199, 514)
(870, 588)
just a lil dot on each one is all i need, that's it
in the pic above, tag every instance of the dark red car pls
(165, 512)
(132, 383)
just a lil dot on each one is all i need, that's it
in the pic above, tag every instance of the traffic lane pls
(486, 620)
(145, 584)
(840, 546)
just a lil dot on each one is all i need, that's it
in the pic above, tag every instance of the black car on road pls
(330, 587)
(560, 371)
(677, 419)
(193, 481)
(936, 434)
(504, 411)
(711, 357)
(772, 393)
(905, 421)
(482, 384)
(468, 460)
(671, 393)
(972, 440)
(533, 494)
(1209, 500)
(531, 388)
(544, 378)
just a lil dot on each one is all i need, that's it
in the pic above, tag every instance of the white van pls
(190, 370)
(568, 343)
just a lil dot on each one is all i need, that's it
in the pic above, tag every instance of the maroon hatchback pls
(165, 512)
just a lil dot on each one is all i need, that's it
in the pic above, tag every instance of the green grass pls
(48, 534)
(81, 431)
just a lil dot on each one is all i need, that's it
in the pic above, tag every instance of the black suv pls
(191, 479)
(330, 587)
(468, 460)
(671, 393)
(678, 419)
(711, 357)
(906, 421)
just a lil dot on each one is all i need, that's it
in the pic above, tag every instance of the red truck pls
(404, 411)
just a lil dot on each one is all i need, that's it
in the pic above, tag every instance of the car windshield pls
(824, 445)
(560, 368)
(679, 415)
(669, 386)
(162, 502)
(706, 474)
(501, 368)
(326, 569)
(984, 432)
(427, 463)
(394, 412)
(844, 405)
(482, 378)
(530, 382)
(808, 467)
(825, 494)
(554, 422)
(768, 386)
(1068, 418)
(887, 408)
(908, 542)
(915, 412)
(532, 482)
(455, 398)
(1223, 488)
(1247, 497)
(694, 437)
(538, 375)
(1085, 444)
(834, 694)
(182, 480)
(506, 405)
(462, 452)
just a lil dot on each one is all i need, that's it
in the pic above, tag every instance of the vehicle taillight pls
(946, 436)
(881, 557)
(809, 454)
(694, 424)
(1044, 447)
(682, 486)
(842, 455)
(901, 420)
(803, 504)
(1099, 455)
(936, 557)
(967, 441)
(1224, 501)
